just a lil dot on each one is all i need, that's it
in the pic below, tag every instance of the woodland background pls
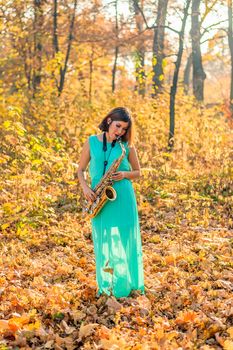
(64, 65)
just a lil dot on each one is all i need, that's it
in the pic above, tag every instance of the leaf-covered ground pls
(48, 290)
(185, 200)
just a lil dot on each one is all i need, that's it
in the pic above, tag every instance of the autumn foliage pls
(47, 279)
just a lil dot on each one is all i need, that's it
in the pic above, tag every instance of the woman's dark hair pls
(119, 114)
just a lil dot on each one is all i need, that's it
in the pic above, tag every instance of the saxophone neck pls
(122, 147)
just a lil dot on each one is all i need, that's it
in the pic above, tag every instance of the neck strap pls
(105, 142)
(105, 150)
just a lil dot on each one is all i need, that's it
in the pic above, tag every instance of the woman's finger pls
(88, 197)
(93, 195)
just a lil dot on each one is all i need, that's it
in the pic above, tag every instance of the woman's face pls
(117, 128)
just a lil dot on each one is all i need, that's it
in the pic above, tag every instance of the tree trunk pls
(114, 69)
(56, 49)
(27, 57)
(158, 47)
(70, 38)
(37, 26)
(175, 79)
(55, 36)
(230, 41)
(91, 73)
(140, 53)
(198, 71)
(187, 72)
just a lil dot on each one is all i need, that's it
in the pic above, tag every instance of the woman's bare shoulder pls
(99, 137)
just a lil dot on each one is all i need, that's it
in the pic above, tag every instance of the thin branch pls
(207, 10)
(112, 37)
(154, 26)
(177, 12)
(219, 37)
(172, 29)
(212, 25)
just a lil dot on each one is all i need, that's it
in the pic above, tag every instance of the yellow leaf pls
(164, 63)
(8, 208)
(6, 225)
(230, 332)
(113, 342)
(33, 326)
(154, 61)
(228, 345)
(161, 77)
(7, 124)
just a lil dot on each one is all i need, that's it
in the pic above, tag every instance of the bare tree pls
(158, 47)
(230, 41)
(188, 67)
(116, 51)
(198, 71)
(187, 71)
(175, 78)
(55, 35)
(176, 71)
(140, 52)
(63, 69)
(37, 31)
(91, 64)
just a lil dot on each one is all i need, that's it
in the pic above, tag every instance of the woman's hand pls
(119, 175)
(89, 194)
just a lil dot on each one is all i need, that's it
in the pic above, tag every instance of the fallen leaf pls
(228, 345)
(230, 331)
(86, 330)
(114, 304)
(4, 325)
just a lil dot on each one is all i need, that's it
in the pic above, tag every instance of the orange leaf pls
(185, 317)
(4, 325)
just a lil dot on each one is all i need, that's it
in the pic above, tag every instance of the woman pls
(115, 229)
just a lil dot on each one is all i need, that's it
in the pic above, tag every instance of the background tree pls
(175, 78)
(158, 47)
(116, 49)
(38, 47)
(55, 29)
(230, 41)
(187, 72)
(198, 71)
(209, 7)
(140, 51)
(63, 69)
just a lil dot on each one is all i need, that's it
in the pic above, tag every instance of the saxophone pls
(104, 190)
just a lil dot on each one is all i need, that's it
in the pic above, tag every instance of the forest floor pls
(48, 289)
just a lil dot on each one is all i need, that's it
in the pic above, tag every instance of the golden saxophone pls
(104, 190)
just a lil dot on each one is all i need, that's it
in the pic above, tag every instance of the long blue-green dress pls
(115, 230)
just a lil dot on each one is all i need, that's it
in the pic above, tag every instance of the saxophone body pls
(104, 190)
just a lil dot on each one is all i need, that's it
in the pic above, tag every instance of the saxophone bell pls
(110, 193)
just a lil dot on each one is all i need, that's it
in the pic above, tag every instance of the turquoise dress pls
(115, 230)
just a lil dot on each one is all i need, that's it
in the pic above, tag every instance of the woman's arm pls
(135, 166)
(83, 163)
